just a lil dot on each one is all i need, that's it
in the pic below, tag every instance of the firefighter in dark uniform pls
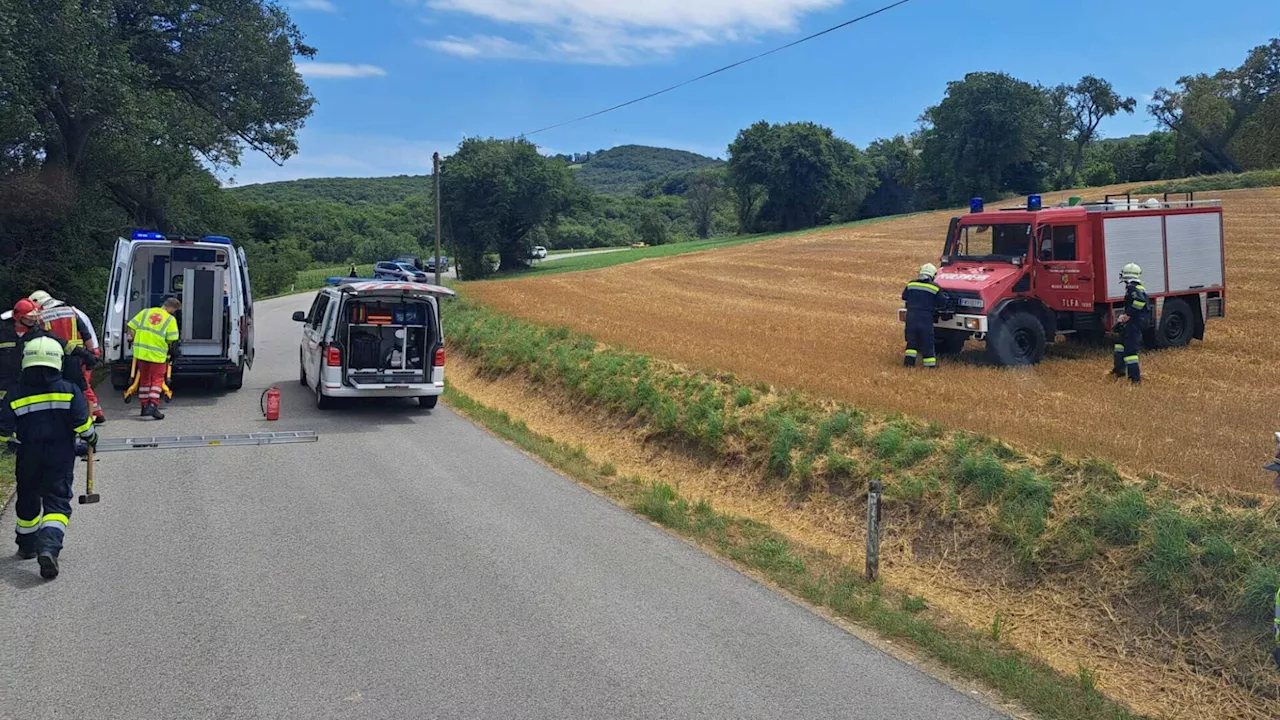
(925, 301)
(43, 415)
(1135, 319)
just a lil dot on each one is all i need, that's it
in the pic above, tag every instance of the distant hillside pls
(626, 168)
(620, 171)
(349, 191)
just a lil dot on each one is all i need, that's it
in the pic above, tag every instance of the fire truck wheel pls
(427, 402)
(1177, 324)
(119, 380)
(1018, 339)
(234, 381)
(950, 342)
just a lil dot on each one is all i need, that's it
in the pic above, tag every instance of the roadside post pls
(873, 530)
(435, 173)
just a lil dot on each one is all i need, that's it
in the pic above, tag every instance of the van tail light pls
(333, 358)
(439, 357)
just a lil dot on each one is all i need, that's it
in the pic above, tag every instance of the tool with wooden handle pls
(89, 495)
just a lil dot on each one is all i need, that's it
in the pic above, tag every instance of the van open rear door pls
(117, 305)
(247, 321)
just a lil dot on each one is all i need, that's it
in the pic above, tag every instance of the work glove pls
(92, 440)
(82, 448)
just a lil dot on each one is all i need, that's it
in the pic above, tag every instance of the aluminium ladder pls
(172, 442)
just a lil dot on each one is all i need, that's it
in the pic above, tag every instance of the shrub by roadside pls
(1211, 183)
(1197, 558)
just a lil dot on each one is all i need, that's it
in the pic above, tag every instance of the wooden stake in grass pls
(873, 530)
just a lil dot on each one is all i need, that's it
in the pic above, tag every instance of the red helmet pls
(23, 308)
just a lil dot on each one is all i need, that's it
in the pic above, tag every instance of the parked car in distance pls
(431, 264)
(539, 253)
(418, 275)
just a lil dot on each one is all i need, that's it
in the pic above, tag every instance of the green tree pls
(1221, 114)
(104, 107)
(896, 167)
(704, 196)
(986, 137)
(495, 194)
(1091, 101)
(655, 228)
(808, 174)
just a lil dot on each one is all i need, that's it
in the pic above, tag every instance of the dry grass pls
(1080, 618)
(817, 313)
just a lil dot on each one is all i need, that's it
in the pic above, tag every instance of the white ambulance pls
(210, 277)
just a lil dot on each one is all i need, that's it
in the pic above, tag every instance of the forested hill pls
(620, 171)
(626, 168)
(347, 191)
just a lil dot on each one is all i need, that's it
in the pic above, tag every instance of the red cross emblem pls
(155, 318)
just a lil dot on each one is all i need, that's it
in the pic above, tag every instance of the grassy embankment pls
(1048, 514)
(1213, 183)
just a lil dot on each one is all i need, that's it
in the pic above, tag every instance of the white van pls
(373, 339)
(211, 279)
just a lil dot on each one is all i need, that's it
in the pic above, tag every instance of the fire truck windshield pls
(1006, 242)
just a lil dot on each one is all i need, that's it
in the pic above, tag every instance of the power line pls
(726, 68)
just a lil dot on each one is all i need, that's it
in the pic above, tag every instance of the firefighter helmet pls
(928, 271)
(44, 300)
(42, 352)
(1131, 272)
(21, 309)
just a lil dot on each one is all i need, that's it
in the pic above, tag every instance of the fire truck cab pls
(1021, 277)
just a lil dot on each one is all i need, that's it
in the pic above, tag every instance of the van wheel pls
(120, 381)
(1177, 324)
(302, 374)
(323, 402)
(1018, 339)
(428, 402)
(234, 381)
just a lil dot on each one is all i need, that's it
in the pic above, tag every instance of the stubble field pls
(818, 313)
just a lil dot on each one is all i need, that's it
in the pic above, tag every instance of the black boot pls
(48, 565)
(909, 361)
(26, 553)
(155, 412)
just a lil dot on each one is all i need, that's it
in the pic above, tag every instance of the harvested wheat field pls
(817, 312)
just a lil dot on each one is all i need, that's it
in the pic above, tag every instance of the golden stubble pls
(817, 312)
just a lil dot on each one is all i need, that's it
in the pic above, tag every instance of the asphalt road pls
(408, 565)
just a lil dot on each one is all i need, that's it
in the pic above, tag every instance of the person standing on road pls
(1135, 318)
(154, 332)
(74, 327)
(924, 301)
(42, 416)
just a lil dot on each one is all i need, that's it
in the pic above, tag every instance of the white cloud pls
(321, 5)
(617, 32)
(315, 70)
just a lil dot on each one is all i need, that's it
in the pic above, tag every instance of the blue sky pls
(396, 80)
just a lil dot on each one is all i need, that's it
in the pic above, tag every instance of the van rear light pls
(439, 358)
(333, 358)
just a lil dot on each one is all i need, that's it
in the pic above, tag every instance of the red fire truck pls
(1021, 277)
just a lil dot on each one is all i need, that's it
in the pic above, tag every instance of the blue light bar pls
(1033, 202)
(144, 235)
(216, 239)
(975, 205)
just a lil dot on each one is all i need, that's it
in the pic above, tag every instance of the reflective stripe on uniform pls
(26, 527)
(1119, 347)
(1139, 304)
(930, 361)
(932, 289)
(57, 521)
(1131, 359)
(43, 401)
(913, 353)
(86, 429)
(8, 345)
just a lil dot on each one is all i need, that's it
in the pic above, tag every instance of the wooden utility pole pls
(435, 173)
(873, 530)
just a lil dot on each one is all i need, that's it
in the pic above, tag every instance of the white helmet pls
(928, 271)
(1131, 273)
(44, 300)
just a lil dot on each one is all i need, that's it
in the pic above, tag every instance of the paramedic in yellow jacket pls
(153, 331)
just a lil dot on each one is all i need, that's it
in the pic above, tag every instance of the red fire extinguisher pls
(270, 403)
